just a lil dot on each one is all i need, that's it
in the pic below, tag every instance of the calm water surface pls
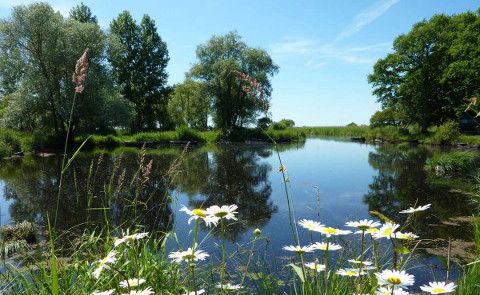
(331, 181)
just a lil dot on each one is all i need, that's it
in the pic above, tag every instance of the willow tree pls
(218, 60)
(38, 52)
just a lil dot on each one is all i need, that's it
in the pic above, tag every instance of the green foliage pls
(333, 131)
(39, 52)
(446, 133)
(186, 133)
(139, 58)
(190, 105)
(82, 13)
(264, 122)
(456, 163)
(432, 69)
(386, 117)
(388, 134)
(287, 122)
(216, 60)
(25, 231)
(279, 126)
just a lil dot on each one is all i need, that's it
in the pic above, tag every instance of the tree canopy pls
(432, 70)
(139, 58)
(216, 62)
(38, 52)
(190, 104)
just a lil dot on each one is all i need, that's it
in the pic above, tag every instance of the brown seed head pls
(80, 74)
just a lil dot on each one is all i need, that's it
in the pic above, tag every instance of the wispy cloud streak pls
(366, 17)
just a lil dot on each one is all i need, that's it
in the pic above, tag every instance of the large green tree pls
(190, 104)
(218, 60)
(38, 52)
(83, 14)
(432, 69)
(139, 59)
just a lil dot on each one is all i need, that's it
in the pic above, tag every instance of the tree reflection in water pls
(225, 174)
(232, 174)
(403, 182)
(87, 197)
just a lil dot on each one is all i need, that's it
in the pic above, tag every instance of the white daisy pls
(131, 283)
(364, 263)
(147, 291)
(315, 266)
(310, 224)
(395, 278)
(405, 236)
(202, 214)
(350, 272)
(439, 287)
(330, 231)
(201, 291)
(323, 246)
(363, 225)
(386, 231)
(226, 211)
(388, 291)
(179, 256)
(299, 249)
(418, 209)
(130, 238)
(108, 292)
(228, 287)
(103, 263)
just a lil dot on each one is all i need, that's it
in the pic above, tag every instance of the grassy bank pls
(194, 136)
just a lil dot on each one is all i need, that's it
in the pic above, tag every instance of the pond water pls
(332, 181)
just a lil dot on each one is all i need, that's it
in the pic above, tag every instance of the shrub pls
(186, 133)
(454, 163)
(279, 126)
(287, 122)
(446, 133)
(264, 122)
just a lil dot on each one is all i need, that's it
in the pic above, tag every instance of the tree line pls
(127, 84)
(431, 73)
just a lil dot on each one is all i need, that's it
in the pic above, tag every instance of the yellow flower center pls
(363, 227)
(330, 230)
(199, 212)
(394, 280)
(438, 290)
(372, 230)
(351, 273)
(388, 231)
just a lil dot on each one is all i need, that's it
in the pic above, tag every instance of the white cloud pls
(319, 55)
(366, 17)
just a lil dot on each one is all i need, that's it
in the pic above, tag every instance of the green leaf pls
(443, 261)
(402, 250)
(299, 272)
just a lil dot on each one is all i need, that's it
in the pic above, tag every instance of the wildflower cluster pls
(387, 281)
(211, 216)
(129, 286)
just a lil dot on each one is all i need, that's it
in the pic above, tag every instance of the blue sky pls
(325, 48)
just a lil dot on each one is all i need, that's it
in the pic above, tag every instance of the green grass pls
(334, 131)
(469, 283)
(455, 163)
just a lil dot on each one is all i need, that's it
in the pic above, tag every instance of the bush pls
(279, 126)
(287, 122)
(186, 133)
(10, 142)
(459, 163)
(264, 123)
(446, 133)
